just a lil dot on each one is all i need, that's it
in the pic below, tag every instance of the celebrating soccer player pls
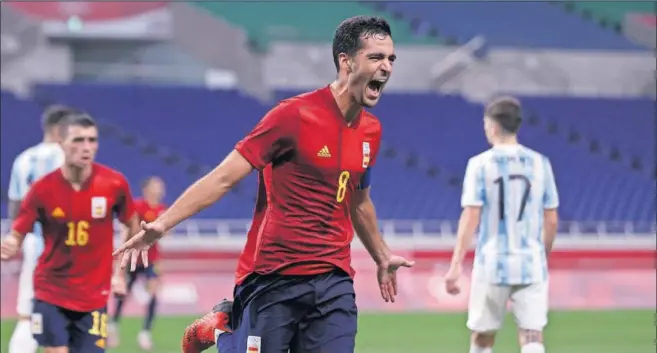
(30, 166)
(510, 193)
(314, 153)
(75, 206)
(148, 208)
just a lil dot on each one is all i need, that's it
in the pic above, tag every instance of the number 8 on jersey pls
(343, 181)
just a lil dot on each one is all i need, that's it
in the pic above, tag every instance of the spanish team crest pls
(36, 320)
(253, 344)
(366, 154)
(98, 207)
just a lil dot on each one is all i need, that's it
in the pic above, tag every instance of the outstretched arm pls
(207, 190)
(270, 138)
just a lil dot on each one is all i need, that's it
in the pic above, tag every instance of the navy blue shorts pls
(149, 272)
(302, 314)
(81, 332)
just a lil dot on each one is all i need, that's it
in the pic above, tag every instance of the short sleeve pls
(58, 157)
(28, 213)
(125, 206)
(473, 185)
(365, 179)
(17, 181)
(271, 138)
(375, 147)
(551, 196)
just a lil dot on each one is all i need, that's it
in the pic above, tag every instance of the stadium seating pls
(614, 11)
(625, 124)
(300, 21)
(124, 151)
(19, 129)
(198, 115)
(592, 187)
(203, 125)
(521, 24)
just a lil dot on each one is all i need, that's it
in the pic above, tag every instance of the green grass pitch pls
(568, 332)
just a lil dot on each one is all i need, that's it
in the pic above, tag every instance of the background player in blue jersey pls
(510, 193)
(29, 166)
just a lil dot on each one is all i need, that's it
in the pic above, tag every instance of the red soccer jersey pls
(75, 269)
(148, 213)
(310, 162)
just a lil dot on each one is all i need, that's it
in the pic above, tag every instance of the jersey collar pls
(86, 183)
(330, 100)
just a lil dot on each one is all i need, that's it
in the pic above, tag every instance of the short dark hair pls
(507, 112)
(75, 119)
(54, 114)
(347, 38)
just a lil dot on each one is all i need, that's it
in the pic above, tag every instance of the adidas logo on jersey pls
(324, 152)
(58, 213)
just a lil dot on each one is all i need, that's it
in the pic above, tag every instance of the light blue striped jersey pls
(513, 185)
(30, 166)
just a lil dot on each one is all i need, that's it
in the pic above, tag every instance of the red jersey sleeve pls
(376, 144)
(28, 213)
(125, 206)
(272, 137)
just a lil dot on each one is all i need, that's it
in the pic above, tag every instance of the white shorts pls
(488, 303)
(26, 279)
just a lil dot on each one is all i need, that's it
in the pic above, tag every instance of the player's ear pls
(345, 62)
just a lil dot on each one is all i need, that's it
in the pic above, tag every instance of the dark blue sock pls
(148, 323)
(226, 343)
(118, 309)
(120, 300)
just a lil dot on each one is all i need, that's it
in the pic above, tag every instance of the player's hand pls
(452, 277)
(10, 247)
(139, 244)
(387, 276)
(119, 287)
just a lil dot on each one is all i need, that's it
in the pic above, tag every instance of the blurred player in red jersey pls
(314, 153)
(75, 205)
(149, 207)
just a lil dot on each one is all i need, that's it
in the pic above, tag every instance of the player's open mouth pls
(375, 86)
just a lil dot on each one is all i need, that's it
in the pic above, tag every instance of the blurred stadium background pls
(175, 85)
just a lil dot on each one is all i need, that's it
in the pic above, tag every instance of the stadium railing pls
(214, 234)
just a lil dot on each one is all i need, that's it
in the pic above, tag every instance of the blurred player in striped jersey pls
(510, 193)
(28, 167)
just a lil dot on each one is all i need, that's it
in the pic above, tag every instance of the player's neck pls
(349, 108)
(75, 175)
(506, 141)
(150, 202)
